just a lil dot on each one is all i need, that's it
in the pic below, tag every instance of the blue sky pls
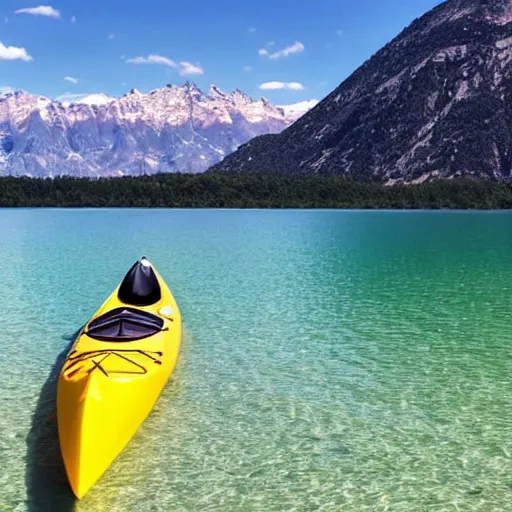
(286, 50)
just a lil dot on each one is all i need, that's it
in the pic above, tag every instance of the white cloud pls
(153, 59)
(296, 47)
(274, 86)
(42, 10)
(123, 84)
(14, 53)
(263, 52)
(339, 32)
(73, 19)
(247, 69)
(186, 68)
(271, 43)
(6, 89)
(111, 36)
(251, 30)
(71, 79)
(295, 86)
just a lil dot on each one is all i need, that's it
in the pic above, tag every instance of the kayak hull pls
(106, 389)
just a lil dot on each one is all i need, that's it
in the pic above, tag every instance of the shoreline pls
(252, 192)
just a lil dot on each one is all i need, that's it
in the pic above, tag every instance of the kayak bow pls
(115, 372)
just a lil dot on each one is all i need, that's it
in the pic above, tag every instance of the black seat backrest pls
(140, 286)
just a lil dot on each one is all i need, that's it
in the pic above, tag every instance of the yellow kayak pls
(115, 372)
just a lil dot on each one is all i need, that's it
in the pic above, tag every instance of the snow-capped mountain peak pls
(96, 99)
(216, 92)
(173, 129)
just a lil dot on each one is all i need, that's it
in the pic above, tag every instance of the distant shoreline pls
(249, 191)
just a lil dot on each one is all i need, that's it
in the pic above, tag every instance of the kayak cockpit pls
(124, 324)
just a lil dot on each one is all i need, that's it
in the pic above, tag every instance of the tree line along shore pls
(226, 190)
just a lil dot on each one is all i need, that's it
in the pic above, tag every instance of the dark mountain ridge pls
(436, 102)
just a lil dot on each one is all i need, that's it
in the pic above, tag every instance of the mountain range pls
(173, 129)
(436, 102)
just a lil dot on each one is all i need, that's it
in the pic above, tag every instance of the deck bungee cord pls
(88, 355)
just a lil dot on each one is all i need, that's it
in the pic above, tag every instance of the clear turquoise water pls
(356, 361)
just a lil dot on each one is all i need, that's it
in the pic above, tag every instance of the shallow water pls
(332, 360)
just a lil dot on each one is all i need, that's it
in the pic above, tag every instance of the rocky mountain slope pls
(174, 129)
(436, 102)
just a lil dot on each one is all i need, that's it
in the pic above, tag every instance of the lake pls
(332, 360)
